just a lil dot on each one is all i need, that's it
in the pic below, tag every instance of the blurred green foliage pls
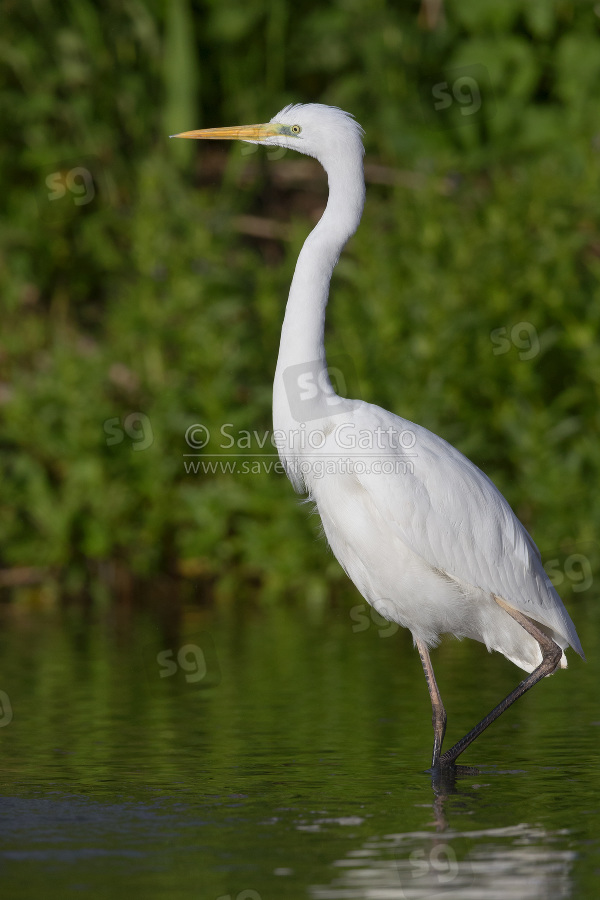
(133, 306)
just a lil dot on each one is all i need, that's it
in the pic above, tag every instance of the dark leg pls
(438, 718)
(551, 655)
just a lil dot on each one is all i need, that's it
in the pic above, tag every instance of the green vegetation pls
(135, 302)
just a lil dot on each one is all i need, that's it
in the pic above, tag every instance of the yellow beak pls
(234, 133)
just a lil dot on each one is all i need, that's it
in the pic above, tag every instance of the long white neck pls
(302, 334)
(301, 362)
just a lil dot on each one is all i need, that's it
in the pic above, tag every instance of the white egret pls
(424, 535)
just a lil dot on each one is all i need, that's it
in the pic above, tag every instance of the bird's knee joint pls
(439, 716)
(553, 656)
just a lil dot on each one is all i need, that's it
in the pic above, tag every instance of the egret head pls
(325, 132)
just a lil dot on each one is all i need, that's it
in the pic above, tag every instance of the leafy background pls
(468, 301)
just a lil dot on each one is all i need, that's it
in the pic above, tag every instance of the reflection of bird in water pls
(420, 530)
(518, 862)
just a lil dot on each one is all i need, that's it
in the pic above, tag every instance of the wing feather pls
(449, 513)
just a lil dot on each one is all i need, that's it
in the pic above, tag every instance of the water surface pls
(249, 754)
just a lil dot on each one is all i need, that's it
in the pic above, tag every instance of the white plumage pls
(433, 542)
(424, 535)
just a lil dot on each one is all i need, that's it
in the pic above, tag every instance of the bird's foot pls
(444, 775)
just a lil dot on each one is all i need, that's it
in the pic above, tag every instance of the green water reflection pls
(250, 754)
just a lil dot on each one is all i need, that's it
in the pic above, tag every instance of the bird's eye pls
(295, 129)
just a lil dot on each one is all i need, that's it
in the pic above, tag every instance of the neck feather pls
(301, 360)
